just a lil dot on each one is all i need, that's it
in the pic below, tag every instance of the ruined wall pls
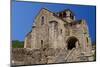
(33, 38)
(79, 30)
(41, 29)
(56, 32)
(22, 56)
(48, 34)
(28, 41)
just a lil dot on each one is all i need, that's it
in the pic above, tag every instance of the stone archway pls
(72, 42)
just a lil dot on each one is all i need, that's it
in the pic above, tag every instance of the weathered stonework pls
(57, 37)
(58, 30)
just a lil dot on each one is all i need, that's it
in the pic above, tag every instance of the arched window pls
(55, 23)
(42, 20)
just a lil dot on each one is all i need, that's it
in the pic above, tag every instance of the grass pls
(17, 44)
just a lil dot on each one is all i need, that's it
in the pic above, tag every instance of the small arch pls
(53, 21)
(72, 42)
(55, 24)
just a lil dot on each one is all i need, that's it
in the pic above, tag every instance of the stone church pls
(58, 30)
(55, 38)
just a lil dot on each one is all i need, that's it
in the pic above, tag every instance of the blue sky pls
(24, 13)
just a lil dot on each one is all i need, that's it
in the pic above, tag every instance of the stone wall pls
(22, 56)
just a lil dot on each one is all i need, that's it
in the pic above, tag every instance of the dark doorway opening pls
(71, 43)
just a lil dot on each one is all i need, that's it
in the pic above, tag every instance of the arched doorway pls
(72, 42)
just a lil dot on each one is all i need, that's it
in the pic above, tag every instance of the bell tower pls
(66, 15)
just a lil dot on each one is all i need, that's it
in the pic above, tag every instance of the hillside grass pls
(17, 44)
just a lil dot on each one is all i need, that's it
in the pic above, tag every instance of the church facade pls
(58, 30)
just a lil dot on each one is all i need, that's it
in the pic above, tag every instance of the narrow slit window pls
(42, 20)
(42, 43)
(87, 39)
(61, 31)
(64, 14)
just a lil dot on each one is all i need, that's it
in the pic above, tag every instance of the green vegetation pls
(17, 44)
